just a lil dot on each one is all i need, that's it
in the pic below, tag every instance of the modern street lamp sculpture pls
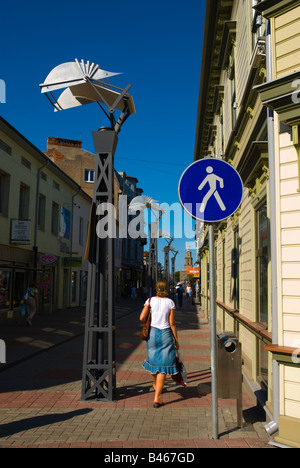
(85, 83)
(140, 203)
(174, 252)
(166, 251)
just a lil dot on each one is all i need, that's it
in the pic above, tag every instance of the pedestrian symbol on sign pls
(211, 179)
(210, 190)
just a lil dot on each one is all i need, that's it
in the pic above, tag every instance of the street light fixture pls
(86, 83)
(175, 253)
(140, 203)
(166, 251)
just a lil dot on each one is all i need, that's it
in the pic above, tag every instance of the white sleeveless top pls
(160, 311)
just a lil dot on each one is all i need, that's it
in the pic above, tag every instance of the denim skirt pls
(160, 352)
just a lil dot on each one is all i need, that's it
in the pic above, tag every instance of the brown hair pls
(162, 288)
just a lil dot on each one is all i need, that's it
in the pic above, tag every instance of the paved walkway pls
(41, 383)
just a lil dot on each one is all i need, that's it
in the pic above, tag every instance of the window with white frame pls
(89, 175)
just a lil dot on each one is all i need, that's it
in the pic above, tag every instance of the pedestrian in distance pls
(162, 340)
(180, 292)
(189, 292)
(31, 301)
(133, 292)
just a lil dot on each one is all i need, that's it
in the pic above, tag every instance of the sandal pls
(157, 405)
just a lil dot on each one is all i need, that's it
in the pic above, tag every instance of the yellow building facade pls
(249, 117)
(280, 95)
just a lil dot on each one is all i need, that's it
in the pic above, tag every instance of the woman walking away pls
(162, 340)
(31, 302)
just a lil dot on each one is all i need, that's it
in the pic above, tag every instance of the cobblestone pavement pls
(41, 383)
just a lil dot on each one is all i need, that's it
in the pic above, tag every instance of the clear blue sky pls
(156, 44)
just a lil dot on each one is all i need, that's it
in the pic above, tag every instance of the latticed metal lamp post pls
(86, 83)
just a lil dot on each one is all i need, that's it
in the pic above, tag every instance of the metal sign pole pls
(206, 193)
(213, 331)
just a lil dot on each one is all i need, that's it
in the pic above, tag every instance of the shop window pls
(19, 287)
(24, 202)
(4, 288)
(83, 287)
(73, 285)
(4, 193)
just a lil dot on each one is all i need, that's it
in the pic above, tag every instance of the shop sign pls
(63, 247)
(65, 223)
(72, 262)
(47, 259)
(20, 231)
(195, 271)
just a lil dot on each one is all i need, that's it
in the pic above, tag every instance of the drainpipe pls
(272, 426)
(71, 242)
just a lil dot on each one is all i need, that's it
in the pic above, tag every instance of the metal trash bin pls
(229, 373)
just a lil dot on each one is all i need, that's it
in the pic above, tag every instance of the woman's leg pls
(154, 380)
(160, 381)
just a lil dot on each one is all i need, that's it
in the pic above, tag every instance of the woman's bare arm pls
(173, 328)
(144, 314)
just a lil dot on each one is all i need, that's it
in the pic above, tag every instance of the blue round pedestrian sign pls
(210, 190)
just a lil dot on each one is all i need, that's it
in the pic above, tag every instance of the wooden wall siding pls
(246, 259)
(290, 240)
(291, 391)
(218, 259)
(290, 268)
(287, 45)
(247, 306)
